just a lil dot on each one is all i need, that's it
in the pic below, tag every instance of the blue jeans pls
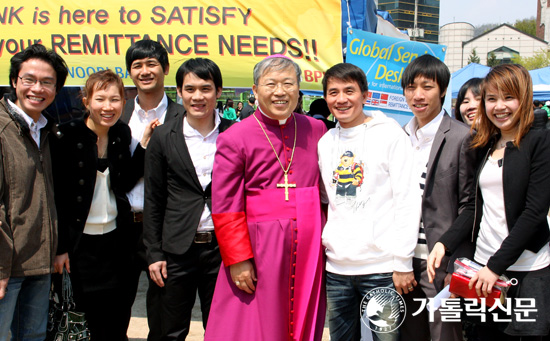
(344, 296)
(24, 309)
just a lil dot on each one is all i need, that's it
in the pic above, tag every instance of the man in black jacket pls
(248, 108)
(182, 250)
(147, 63)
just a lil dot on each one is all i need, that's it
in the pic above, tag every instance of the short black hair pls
(252, 100)
(346, 72)
(147, 49)
(38, 51)
(429, 67)
(204, 68)
(473, 84)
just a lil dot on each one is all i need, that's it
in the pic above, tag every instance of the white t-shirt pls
(493, 227)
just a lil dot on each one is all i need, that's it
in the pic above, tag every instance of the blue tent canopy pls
(468, 72)
(541, 83)
(540, 76)
(541, 79)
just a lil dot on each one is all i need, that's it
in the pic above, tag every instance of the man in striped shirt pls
(444, 162)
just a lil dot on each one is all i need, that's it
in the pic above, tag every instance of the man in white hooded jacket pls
(366, 165)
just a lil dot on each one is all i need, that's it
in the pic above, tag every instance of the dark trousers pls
(152, 301)
(106, 312)
(194, 271)
(153, 291)
(488, 334)
(419, 327)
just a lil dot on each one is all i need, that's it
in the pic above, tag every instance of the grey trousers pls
(419, 327)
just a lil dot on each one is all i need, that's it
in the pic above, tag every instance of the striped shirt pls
(422, 141)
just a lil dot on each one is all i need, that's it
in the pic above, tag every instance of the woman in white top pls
(507, 216)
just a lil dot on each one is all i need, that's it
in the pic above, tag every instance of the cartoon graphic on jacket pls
(376, 230)
(348, 175)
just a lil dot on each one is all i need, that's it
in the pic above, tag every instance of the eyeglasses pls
(28, 81)
(272, 86)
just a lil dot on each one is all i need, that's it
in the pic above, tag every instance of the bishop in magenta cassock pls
(267, 217)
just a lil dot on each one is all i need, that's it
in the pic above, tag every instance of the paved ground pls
(138, 325)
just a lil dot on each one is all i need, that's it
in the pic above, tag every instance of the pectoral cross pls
(286, 186)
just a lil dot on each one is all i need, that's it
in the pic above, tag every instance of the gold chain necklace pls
(285, 185)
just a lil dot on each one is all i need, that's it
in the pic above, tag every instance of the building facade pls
(543, 19)
(453, 36)
(402, 13)
(504, 42)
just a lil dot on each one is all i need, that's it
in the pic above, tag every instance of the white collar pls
(158, 111)
(41, 123)
(281, 122)
(189, 131)
(426, 132)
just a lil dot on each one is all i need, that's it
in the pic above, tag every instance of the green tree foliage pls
(492, 60)
(528, 26)
(474, 58)
(483, 28)
(540, 59)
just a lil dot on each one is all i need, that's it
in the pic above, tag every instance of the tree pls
(528, 26)
(540, 59)
(492, 60)
(474, 58)
(483, 28)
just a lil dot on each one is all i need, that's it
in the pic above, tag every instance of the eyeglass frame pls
(43, 84)
(290, 86)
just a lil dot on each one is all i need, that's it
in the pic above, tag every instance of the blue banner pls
(384, 59)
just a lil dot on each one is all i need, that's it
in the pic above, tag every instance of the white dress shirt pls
(202, 149)
(422, 141)
(139, 120)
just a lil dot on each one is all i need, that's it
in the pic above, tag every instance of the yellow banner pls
(94, 35)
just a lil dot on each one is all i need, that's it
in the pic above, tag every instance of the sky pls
(479, 12)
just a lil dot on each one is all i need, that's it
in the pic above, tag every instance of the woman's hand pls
(149, 131)
(434, 260)
(485, 279)
(61, 261)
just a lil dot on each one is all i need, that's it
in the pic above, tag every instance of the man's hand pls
(61, 261)
(3, 287)
(404, 282)
(243, 276)
(434, 260)
(158, 271)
